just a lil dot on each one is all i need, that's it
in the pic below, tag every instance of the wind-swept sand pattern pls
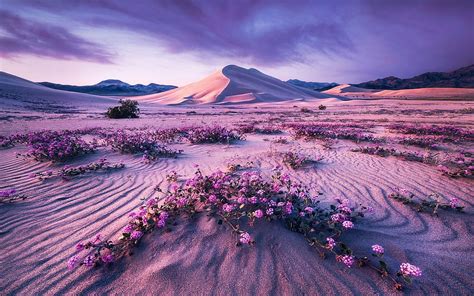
(38, 234)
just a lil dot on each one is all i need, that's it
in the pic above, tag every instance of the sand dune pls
(19, 93)
(232, 85)
(349, 91)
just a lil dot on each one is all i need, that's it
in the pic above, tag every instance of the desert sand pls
(200, 257)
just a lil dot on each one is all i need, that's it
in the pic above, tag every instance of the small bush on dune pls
(127, 109)
(322, 107)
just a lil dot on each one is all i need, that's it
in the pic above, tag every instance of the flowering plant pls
(70, 171)
(139, 142)
(10, 195)
(212, 134)
(236, 201)
(430, 204)
(56, 146)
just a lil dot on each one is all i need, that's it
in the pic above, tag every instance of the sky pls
(180, 41)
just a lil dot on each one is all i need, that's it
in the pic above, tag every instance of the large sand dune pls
(353, 92)
(19, 93)
(234, 84)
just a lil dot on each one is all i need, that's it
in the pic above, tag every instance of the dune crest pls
(232, 85)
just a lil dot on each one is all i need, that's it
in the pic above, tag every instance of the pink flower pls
(164, 216)
(308, 210)
(347, 224)
(253, 200)
(72, 262)
(454, 203)
(378, 249)
(227, 208)
(128, 229)
(161, 223)
(241, 200)
(337, 217)
(89, 261)
(212, 198)
(269, 211)
(408, 269)
(245, 238)
(347, 260)
(136, 235)
(258, 213)
(80, 247)
(109, 258)
(331, 243)
(288, 208)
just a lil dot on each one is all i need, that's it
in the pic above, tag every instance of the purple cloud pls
(23, 36)
(264, 33)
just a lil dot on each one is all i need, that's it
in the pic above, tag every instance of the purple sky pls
(178, 41)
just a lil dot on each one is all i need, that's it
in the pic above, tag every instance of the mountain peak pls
(112, 82)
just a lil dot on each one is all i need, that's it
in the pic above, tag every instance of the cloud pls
(260, 32)
(21, 36)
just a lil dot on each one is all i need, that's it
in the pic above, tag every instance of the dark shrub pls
(127, 109)
(322, 107)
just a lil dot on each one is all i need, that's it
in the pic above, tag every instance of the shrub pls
(322, 107)
(10, 195)
(127, 109)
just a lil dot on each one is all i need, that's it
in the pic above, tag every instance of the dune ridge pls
(233, 85)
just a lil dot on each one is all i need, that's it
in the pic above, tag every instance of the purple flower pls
(269, 211)
(308, 210)
(212, 198)
(72, 262)
(136, 235)
(109, 258)
(227, 208)
(347, 224)
(331, 243)
(161, 223)
(89, 261)
(347, 260)
(128, 228)
(79, 247)
(408, 269)
(454, 203)
(258, 213)
(378, 249)
(245, 238)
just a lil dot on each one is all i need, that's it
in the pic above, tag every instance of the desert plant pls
(322, 107)
(127, 109)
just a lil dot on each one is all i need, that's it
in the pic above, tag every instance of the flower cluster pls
(429, 142)
(71, 171)
(235, 200)
(212, 134)
(10, 195)
(139, 142)
(56, 146)
(322, 130)
(450, 132)
(430, 204)
(405, 155)
(458, 166)
(280, 140)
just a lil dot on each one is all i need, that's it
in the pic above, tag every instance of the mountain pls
(317, 86)
(461, 78)
(19, 93)
(112, 87)
(233, 85)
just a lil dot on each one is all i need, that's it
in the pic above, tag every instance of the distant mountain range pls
(112, 87)
(317, 86)
(461, 78)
